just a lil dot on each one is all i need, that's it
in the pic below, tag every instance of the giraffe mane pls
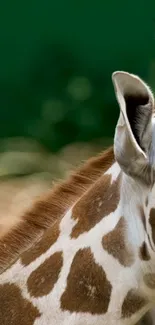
(51, 206)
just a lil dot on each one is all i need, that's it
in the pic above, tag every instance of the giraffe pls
(84, 254)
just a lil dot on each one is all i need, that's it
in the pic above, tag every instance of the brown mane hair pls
(52, 206)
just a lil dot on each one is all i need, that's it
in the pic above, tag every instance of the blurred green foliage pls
(56, 60)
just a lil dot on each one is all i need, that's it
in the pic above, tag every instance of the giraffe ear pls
(133, 134)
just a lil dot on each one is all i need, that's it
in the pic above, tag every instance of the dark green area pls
(46, 45)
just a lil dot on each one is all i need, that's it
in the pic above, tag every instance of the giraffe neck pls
(49, 208)
(89, 266)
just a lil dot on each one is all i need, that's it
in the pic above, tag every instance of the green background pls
(56, 61)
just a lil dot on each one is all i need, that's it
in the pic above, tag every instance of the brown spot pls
(133, 302)
(49, 238)
(149, 280)
(152, 223)
(115, 244)
(42, 280)
(14, 309)
(50, 208)
(144, 253)
(88, 289)
(98, 202)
